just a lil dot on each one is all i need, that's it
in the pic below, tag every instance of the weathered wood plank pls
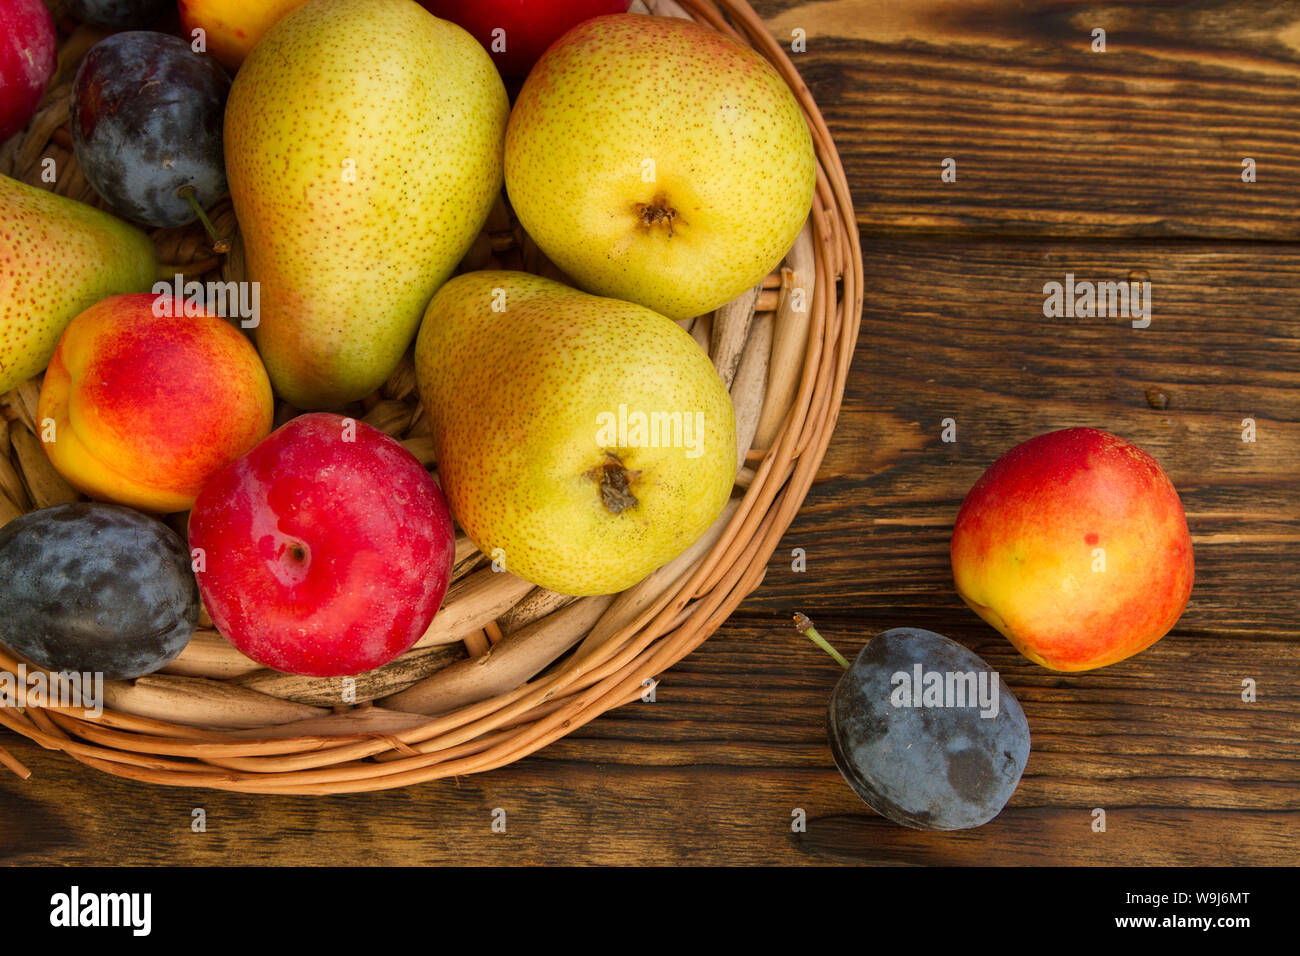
(956, 330)
(1050, 138)
(734, 742)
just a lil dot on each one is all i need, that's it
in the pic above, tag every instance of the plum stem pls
(219, 244)
(805, 627)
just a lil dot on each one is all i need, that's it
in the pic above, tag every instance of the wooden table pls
(1108, 165)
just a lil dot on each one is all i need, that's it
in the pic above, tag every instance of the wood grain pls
(956, 330)
(1051, 138)
(734, 742)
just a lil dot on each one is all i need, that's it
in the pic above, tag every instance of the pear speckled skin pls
(57, 258)
(733, 163)
(517, 399)
(364, 151)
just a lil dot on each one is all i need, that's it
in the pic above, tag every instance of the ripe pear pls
(696, 170)
(581, 441)
(363, 145)
(57, 258)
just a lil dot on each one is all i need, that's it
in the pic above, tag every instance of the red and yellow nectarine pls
(142, 409)
(232, 27)
(1074, 545)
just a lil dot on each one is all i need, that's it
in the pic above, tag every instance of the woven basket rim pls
(505, 728)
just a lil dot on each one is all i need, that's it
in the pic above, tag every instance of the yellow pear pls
(658, 161)
(58, 257)
(581, 441)
(363, 145)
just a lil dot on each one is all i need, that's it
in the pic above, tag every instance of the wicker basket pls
(522, 666)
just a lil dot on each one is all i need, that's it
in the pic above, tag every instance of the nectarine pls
(1074, 545)
(141, 409)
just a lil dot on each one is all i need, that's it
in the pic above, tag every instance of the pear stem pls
(805, 627)
(219, 244)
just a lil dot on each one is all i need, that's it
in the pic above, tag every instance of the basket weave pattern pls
(215, 719)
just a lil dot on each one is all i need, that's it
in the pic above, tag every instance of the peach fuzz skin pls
(1024, 549)
(146, 408)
